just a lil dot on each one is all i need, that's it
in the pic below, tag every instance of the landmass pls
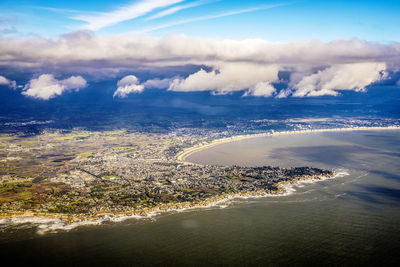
(82, 175)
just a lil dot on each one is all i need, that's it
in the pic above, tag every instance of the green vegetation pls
(29, 192)
(238, 178)
(88, 173)
(123, 148)
(28, 143)
(6, 138)
(71, 137)
(78, 207)
(86, 154)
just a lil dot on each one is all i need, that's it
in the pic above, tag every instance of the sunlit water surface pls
(354, 219)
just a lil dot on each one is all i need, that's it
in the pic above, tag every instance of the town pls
(83, 174)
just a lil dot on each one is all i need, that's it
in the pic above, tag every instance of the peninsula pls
(79, 175)
(82, 175)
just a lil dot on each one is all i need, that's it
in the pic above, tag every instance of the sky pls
(326, 46)
(280, 21)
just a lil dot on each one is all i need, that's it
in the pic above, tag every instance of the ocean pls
(353, 219)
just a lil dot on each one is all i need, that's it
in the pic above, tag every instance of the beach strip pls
(185, 153)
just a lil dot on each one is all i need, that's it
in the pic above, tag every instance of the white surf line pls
(185, 153)
(52, 225)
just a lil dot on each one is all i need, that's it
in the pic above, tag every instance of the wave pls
(52, 225)
(341, 173)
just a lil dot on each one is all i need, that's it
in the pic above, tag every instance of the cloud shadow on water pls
(386, 175)
(336, 155)
(376, 194)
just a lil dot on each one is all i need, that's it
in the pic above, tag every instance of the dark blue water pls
(346, 221)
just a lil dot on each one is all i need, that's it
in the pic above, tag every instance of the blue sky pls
(281, 21)
(326, 46)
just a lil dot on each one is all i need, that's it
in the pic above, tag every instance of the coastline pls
(68, 222)
(185, 153)
(52, 223)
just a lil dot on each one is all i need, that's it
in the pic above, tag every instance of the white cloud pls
(46, 86)
(130, 84)
(340, 77)
(158, 83)
(7, 82)
(74, 82)
(175, 9)
(134, 10)
(4, 80)
(317, 68)
(284, 93)
(264, 89)
(202, 18)
(228, 77)
(85, 49)
(127, 85)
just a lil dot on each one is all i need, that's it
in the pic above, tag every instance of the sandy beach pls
(182, 155)
(54, 222)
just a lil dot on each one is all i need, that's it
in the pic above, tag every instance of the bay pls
(350, 220)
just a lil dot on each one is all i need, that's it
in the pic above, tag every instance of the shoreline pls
(68, 222)
(53, 223)
(181, 156)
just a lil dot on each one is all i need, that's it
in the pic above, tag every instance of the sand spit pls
(184, 154)
(51, 223)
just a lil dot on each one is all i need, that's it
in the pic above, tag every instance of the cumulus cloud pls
(158, 83)
(264, 89)
(229, 77)
(46, 86)
(340, 77)
(221, 66)
(7, 82)
(130, 84)
(127, 85)
(74, 82)
(87, 49)
(284, 93)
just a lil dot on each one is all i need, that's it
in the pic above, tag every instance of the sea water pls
(353, 219)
